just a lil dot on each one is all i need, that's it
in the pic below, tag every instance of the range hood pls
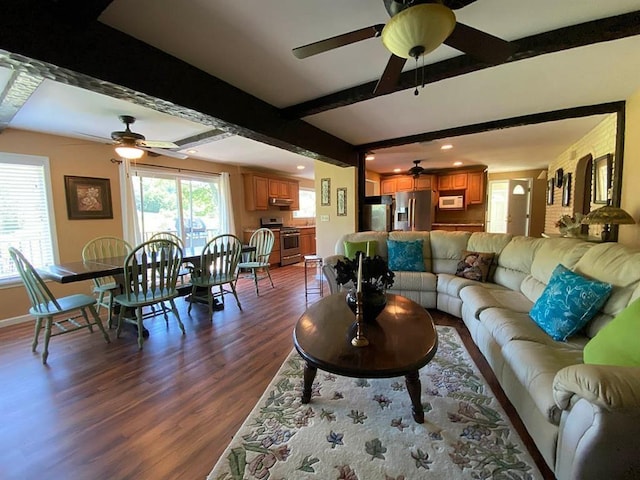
(280, 202)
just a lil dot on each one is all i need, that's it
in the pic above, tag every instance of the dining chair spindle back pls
(263, 239)
(150, 273)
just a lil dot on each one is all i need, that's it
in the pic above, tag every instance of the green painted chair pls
(218, 267)
(263, 239)
(150, 277)
(185, 269)
(44, 306)
(99, 249)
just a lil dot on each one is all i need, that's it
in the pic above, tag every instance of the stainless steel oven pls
(289, 240)
(289, 246)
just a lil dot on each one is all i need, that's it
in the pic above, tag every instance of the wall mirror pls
(602, 178)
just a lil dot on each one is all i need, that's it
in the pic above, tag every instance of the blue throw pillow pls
(568, 302)
(405, 256)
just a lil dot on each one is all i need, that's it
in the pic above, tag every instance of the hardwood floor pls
(100, 411)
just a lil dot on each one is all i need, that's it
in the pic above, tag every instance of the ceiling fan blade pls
(338, 41)
(156, 144)
(479, 44)
(165, 152)
(96, 137)
(457, 4)
(390, 76)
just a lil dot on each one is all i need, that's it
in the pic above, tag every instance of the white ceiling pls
(248, 44)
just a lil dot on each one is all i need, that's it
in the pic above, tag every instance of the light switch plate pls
(324, 218)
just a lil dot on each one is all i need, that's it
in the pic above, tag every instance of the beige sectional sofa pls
(584, 419)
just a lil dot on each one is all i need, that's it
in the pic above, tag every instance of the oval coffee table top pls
(401, 340)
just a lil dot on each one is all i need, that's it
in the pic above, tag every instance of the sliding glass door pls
(185, 205)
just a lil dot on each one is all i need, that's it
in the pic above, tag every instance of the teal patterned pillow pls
(405, 256)
(568, 302)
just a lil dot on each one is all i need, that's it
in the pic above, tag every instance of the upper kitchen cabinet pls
(256, 192)
(260, 191)
(424, 182)
(476, 187)
(454, 181)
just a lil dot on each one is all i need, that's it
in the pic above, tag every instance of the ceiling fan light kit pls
(418, 30)
(129, 152)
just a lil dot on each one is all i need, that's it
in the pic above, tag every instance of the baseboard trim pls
(15, 320)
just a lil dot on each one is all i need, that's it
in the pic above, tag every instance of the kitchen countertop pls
(458, 224)
(300, 227)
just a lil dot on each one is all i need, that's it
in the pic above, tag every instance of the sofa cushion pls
(568, 302)
(617, 342)
(514, 262)
(446, 248)
(379, 237)
(475, 265)
(535, 366)
(489, 242)
(410, 281)
(367, 247)
(406, 256)
(478, 298)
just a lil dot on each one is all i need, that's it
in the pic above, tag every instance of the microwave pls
(451, 202)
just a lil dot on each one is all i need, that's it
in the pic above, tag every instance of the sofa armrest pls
(329, 271)
(609, 387)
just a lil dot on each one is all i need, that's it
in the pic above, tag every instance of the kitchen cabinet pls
(256, 192)
(258, 189)
(294, 191)
(279, 188)
(475, 188)
(424, 182)
(388, 186)
(455, 181)
(307, 241)
(406, 183)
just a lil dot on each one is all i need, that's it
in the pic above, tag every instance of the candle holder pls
(359, 340)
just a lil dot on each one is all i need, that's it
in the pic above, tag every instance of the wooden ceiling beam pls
(588, 33)
(41, 31)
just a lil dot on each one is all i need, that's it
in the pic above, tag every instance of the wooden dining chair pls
(185, 269)
(98, 249)
(45, 306)
(150, 277)
(218, 267)
(263, 240)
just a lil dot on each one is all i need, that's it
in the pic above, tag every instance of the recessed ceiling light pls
(397, 170)
(457, 164)
(300, 167)
(446, 146)
(370, 156)
(192, 151)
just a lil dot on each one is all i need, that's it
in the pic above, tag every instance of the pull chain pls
(415, 92)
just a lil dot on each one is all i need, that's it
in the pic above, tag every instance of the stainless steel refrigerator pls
(378, 213)
(414, 210)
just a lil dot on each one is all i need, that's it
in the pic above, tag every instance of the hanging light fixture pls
(418, 30)
(127, 149)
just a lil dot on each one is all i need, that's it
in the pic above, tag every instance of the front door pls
(519, 199)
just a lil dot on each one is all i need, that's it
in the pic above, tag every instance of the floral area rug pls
(359, 429)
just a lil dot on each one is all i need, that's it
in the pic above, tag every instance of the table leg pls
(414, 387)
(309, 376)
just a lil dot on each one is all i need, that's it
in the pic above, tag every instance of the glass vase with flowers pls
(376, 278)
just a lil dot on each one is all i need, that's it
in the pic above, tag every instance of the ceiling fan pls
(416, 28)
(131, 144)
(416, 170)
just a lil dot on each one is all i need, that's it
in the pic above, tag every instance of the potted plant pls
(376, 278)
(570, 225)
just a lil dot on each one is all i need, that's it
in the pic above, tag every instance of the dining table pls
(81, 270)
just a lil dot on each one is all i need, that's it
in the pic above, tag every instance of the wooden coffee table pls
(402, 340)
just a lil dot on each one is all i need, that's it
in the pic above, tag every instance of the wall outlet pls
(324, 218)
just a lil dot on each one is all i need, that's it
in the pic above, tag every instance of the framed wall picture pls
(325, 192)
(566, 190)
(551, 185)
(342, 202)
(602, 178)
(88, 197)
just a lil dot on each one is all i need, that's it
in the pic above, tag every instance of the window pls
(307, 198)
(25, 181)
(186, 205)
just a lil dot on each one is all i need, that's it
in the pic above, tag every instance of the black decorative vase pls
(373, 302)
